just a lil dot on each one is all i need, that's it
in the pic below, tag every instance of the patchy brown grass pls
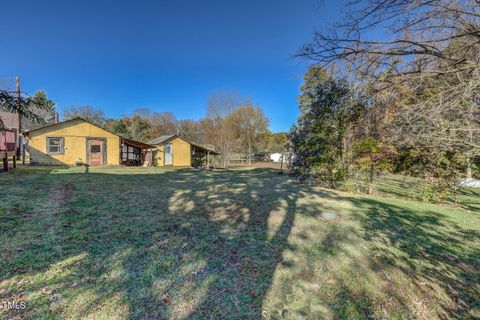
(146, 243)
(264, 165)
(60, 195)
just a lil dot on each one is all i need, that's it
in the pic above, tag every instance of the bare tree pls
(432, 47)
(220, 106)
(447, 120)
(190, 129)
(250, 123)
(208, 133)
(413, 36)
(164, 123)
(88, 113)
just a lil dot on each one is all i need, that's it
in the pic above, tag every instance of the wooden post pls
(5, 163)
(17, 138)
(23, 153)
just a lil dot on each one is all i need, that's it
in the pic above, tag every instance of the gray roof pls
(161, 139)
(165, 138)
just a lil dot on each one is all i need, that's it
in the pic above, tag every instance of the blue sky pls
(164, 55)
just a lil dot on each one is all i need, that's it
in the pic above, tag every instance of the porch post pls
(23, 153)
(5, 162)
(122, 141)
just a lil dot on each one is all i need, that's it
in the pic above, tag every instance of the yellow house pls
(175, 150)
(77, 141)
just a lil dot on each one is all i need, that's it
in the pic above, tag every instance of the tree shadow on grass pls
(469, 199)
(184, 244)
(192, 244)
(404, 261)
(433, 251)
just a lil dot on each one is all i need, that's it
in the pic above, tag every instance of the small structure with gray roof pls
(175, 150)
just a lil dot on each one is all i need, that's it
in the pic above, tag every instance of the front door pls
(95, 152)
(168, 154)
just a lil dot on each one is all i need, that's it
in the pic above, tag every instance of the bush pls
(432, 192)
(347, 186)
(371, 158)
(198, 160)
(322, 176)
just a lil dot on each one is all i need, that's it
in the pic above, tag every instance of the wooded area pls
(394, 87)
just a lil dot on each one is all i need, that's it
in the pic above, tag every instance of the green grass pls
(408, 187)
(148, 243)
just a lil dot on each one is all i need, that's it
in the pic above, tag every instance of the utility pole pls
(19, 140)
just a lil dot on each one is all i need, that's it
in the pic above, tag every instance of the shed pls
(276, 157)
(175, 150)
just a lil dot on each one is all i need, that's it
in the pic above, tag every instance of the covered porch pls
(136, 153)
(202, 156)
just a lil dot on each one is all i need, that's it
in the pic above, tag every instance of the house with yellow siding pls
(79, 142)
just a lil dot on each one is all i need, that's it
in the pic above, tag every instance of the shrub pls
(198, 160)
(432, 192)
(371, 158)
(347, 186)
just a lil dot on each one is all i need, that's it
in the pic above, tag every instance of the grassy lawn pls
(407, 187)
(149, 243)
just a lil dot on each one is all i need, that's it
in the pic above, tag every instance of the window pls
(131, 153)
(54, 145)
(95, 148)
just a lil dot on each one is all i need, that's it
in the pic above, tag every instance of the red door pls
(95, 152)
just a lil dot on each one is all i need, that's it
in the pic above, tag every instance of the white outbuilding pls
(276, 157)
(469, 183)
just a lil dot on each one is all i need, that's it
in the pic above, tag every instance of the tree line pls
(406, 100)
